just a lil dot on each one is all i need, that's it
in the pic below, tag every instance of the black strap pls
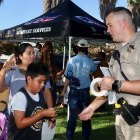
(116, 56)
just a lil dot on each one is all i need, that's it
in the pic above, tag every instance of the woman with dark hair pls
(12, 74)
(47, 59)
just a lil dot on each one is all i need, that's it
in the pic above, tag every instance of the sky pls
(15, 12)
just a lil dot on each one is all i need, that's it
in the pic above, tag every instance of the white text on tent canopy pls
(37, 30)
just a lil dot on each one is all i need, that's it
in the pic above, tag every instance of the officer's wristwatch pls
(116, 86)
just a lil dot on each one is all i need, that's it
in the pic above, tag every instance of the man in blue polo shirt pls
(78, 71)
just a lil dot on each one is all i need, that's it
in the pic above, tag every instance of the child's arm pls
(23, 122)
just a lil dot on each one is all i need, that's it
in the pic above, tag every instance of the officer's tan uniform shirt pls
(130, 62)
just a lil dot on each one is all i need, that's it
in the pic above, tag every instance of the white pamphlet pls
(105, 71)
(112, 97)
(47, 132)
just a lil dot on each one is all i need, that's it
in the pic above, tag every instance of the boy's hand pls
(50, 112)
(52, 122)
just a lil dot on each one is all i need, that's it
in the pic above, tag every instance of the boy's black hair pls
(118, 9)
(35, 69)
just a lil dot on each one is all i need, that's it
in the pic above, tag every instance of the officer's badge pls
(130, 48)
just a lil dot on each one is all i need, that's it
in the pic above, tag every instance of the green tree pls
(105, 5)
(1, 1)
(48, 4)
(133, 6)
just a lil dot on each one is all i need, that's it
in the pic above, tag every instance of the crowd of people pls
(31, 77)
(12, 76)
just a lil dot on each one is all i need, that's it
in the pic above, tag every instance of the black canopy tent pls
(63, 23)
(65, 20)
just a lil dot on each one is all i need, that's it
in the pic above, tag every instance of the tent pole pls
(68, 89)
(70, 38)
(64, 56)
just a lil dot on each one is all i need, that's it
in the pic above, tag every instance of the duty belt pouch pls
(128, 112)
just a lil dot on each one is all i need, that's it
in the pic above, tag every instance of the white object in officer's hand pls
(94, 88)
(112, 97)
(105, 71)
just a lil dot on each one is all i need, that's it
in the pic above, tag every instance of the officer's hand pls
(106, 83)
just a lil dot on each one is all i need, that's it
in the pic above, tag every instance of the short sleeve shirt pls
(19, 101)
(130, 63)
(78, 71)
(15, 80)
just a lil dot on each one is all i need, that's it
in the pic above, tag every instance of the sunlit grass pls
(102, 126)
